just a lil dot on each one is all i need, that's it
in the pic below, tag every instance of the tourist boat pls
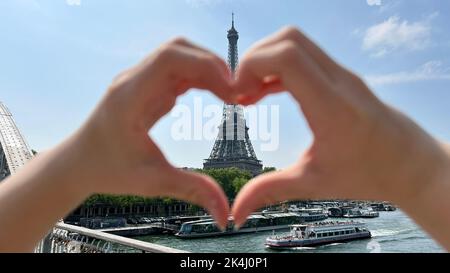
(306, 235)
(255, 223)
(312, 215)
(369, 213)
(353, 213)
(309, 214)
(383, 207)
(335, 212)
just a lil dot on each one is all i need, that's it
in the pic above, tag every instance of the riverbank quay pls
(144, 230)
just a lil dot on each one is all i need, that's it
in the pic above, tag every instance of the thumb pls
(268, 189)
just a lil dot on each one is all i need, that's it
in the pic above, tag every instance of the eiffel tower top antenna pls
(233, 37)
(232, 19)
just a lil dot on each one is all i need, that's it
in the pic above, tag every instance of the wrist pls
(440, 182)
(44, 191)
(419, 161)
(68, 164)
(90, 152)
(430, 207)
(432, 180)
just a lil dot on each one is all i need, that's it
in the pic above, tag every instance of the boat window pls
(204, 228)
(263, 222)
(186, 228)
(246, 225)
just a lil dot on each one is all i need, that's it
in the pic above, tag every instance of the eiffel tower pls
(232, 147)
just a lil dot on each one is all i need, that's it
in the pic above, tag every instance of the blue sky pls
(57, 57)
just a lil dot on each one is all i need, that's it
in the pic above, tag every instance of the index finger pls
(171, 72)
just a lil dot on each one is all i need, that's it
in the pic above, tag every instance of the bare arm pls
(112, 152)
(362, 148)
(431, 207)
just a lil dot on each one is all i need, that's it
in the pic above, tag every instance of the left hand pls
(117, 154)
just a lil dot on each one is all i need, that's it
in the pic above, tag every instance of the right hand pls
(362, 148)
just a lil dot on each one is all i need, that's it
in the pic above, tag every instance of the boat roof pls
(205, 223)
(287, 214)
(328, 224)
(253, 216)
(257, 217)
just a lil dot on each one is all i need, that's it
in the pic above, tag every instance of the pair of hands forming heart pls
(362, 148)
(359, 149)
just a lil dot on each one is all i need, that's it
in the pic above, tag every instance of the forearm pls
(431, 208)
(35, 198)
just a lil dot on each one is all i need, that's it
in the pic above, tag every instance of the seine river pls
(392, 232)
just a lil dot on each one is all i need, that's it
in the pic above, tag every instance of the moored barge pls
(255, 223)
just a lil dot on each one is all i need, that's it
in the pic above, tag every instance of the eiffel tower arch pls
(233, 147)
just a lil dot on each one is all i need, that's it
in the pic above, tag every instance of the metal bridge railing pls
(66, 238)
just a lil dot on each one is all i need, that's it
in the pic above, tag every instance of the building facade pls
(14, 150)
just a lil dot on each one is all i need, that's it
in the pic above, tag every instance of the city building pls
(14, 150)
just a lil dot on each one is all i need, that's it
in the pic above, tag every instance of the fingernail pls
(242, 99)
(222, 228)
(235, 99)
(237, 227)
(214, 211)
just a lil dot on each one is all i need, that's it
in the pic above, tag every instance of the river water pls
(392, 232)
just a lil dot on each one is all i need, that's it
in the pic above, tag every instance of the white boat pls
(361, 213)
(309, 214)
(369, 213)
(320, 234)
(352, 213)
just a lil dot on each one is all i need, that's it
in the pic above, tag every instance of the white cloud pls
(73, 2)
(374, 2)
(433, 70)
(395, 34)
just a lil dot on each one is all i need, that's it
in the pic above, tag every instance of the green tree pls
(230, 179)
(269, 169)
(118, 200)
(238, 183)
